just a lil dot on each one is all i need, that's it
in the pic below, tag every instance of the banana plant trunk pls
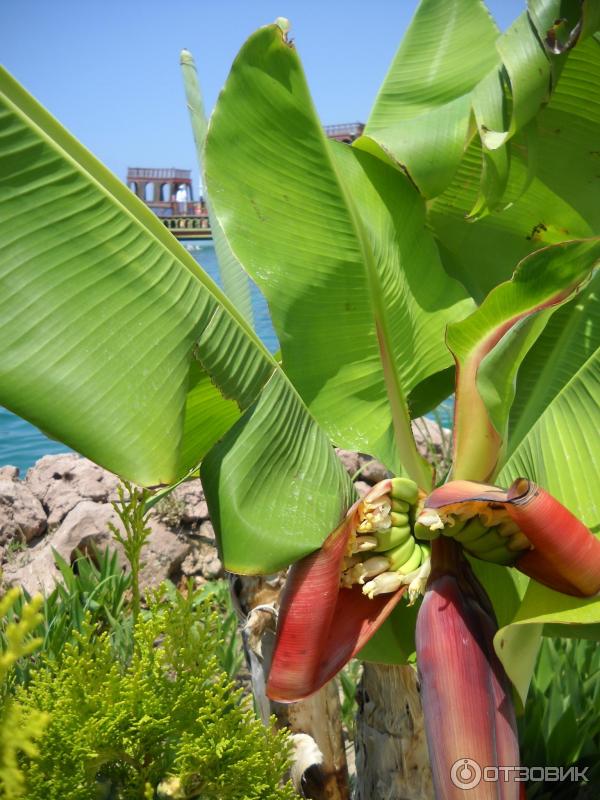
(319, 769)
(392, 762)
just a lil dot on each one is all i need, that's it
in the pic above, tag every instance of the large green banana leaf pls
(553, 435)
(563, 198)
(422, 113)
(235, 281)
(113, 340)
(569, 343)
(453, 68)
(490, 345)
(554, 440)
(336, 240)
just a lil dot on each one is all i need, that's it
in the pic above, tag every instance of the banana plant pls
(457, 146)
(387, 268)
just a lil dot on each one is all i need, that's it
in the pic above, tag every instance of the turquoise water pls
(21, 444)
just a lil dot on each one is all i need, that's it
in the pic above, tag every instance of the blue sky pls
(109, 69)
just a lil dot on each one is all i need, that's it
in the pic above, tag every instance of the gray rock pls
(84, 526)
(22, 517)
(61, 482)
(203, 561)
(430, 436)
(34, 570)
(349, 459)
(9, 473)
(191, 496)
(207, 531)
(434, 443)
(162, 556)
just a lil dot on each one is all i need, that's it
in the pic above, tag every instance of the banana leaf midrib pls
(405, 444)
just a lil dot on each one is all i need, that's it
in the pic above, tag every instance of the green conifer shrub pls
(167, 724)
(20, 726)
(101, 698)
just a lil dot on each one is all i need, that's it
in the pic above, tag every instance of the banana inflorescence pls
(482, 525)
(383, 554)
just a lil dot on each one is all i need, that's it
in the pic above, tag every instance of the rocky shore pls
(63, 504)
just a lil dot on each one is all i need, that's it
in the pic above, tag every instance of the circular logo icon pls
(465, 773)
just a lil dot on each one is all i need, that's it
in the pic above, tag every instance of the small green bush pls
(561, 724)
(20, 727)
(102, 699)
(168, 724)
(95, 588)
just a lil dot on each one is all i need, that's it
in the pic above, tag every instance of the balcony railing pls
(350, 128)
(194, 208)
(168, 174)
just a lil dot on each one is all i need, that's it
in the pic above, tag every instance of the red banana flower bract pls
(322, 626)
(565, 554)
(469, 715)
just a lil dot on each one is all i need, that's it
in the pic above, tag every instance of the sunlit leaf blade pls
(234, 279)
(490, 345)
(422, 112)
(555, 442)
(274, 484)
(543, 611)
(113, 340)
(336, 240)
(452, 64)
(570, 339)
(527, 67)
(562, 25)
(489, 109)
(561, 450)
(505, 103)
(517, 648)
(563, 198)
(100, 306)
